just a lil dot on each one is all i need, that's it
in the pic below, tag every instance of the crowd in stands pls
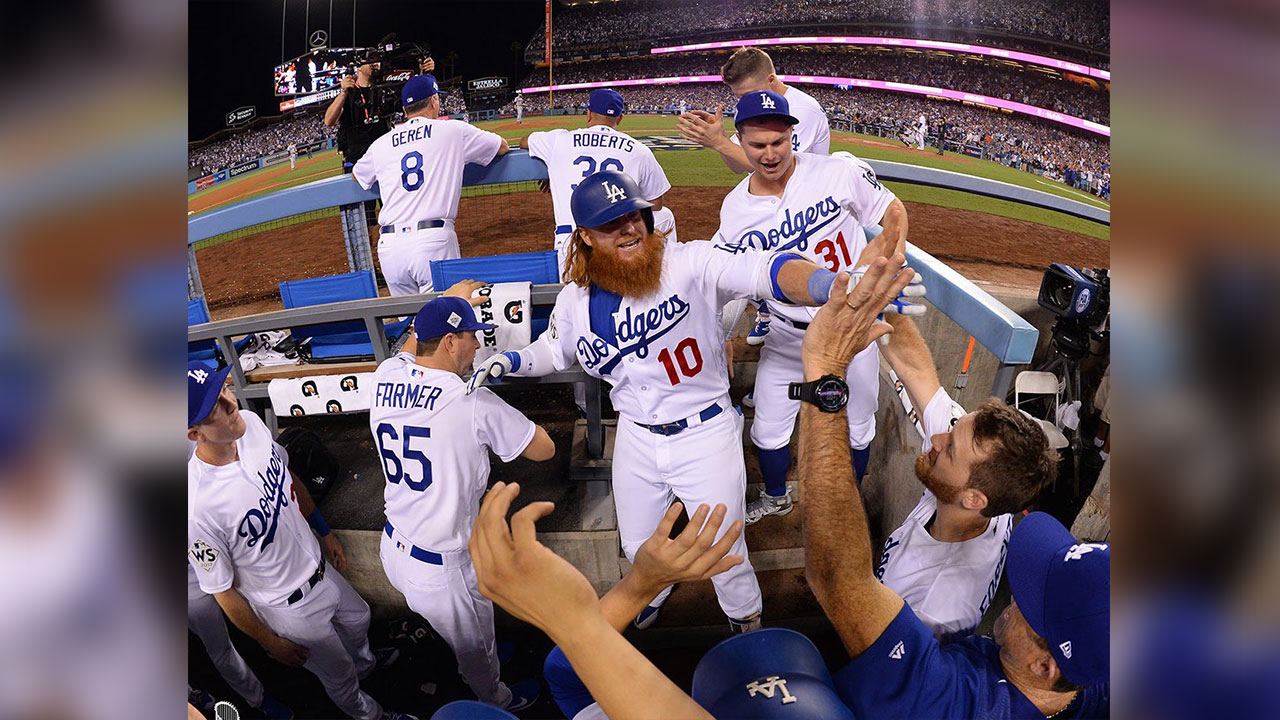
(1079, 158)
(1018, 83)
(1083, 23)
(257, 141)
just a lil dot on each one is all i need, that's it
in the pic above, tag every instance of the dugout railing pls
(1010, 338)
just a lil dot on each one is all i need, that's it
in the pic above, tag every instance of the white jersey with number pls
(949, 585)
(243, 522)
(827, 202)
(664, 354)
(434, 441)
(813, 133)
(418, 168)
(572, 155)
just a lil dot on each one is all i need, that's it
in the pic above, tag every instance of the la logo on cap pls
(199, 375)
(614, 192)
(1066, 649)
(1078, 551)
(769, 686)
(766, 102)
(454, 319)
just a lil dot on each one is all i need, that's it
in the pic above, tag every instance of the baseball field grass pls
(701, 167)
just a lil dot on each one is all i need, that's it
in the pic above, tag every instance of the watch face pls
(831, 394)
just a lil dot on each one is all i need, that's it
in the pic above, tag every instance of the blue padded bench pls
(198, 314)
(539, 268)
(337, 341)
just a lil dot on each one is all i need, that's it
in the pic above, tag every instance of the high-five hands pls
(848, 322)
(694, 554)
(493, 370)
(521, 574)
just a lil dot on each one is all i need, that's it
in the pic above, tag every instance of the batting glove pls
(900, 305)
(493, 370)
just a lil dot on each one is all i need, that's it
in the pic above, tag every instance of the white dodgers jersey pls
(827, 202)
(418, 168)
(949, 585)
(813, 133)
(663, 354)
(572, 155)
(243, 522)
(434, 441)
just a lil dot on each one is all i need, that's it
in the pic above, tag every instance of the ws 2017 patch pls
(203, 554)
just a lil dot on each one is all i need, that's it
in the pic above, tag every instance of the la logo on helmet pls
(614, 192)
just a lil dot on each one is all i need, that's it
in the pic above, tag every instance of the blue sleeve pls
(570, 693)
(905, 673)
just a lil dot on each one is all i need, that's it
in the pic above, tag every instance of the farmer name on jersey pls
(406, 395)
(602, 140)
(260, 523)
(793, 232)
(635, 332)
(411, 134)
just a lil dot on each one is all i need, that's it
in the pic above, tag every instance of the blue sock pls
(773, 466)
(860, 460)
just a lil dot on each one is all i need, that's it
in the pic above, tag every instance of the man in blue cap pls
(572, 155)
(1051, 651)
(418, 169)
(434, 440)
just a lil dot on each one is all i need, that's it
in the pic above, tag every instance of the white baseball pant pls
(205, 619)
(405, 256)
(780, 365)
(701, 464)
(448, 597)
(332, 622)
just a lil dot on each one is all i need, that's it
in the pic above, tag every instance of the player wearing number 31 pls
(418, 168)
(643, 314)
(817, 206)
(434, 439)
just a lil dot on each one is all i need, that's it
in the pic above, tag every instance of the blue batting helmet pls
(605, 196)
(768, 673)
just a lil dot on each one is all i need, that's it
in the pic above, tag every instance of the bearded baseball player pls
(418, 168)
(814, 205)
(643, 314)
(249, 534)
(572, 155)
(434, 438)
(751, 70)
(977, 468)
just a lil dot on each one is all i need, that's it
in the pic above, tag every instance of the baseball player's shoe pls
(523, 694)
(393, 715)
(767, 504)
(756, 336)
(749, 400)
(274, 709)
(745, 625)
(647, 617)
(384, 658)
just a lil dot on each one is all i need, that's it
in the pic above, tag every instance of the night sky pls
(235, 44)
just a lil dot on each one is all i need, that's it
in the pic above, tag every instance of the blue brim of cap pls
(218, 378)
(788, 118)
(471, 710)
(1033, 547)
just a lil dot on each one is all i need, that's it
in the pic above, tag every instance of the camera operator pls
(356, 114)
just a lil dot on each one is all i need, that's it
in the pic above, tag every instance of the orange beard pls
(637, 278)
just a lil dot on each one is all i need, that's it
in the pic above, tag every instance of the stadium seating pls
(538, 268)
(338, 341)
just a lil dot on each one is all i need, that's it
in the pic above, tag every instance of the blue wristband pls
(317, 523)
(820, 282)
(514, 357)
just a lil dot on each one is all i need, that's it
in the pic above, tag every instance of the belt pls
(311, 582)
(672, 428)
(564, 229)
(795, 323)
(422, 225)
(416, 552)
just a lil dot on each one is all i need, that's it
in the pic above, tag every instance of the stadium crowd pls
(1084, 23)
(1081, 159)
(257, 141)
(1029, 86)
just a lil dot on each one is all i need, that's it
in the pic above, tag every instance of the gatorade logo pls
(614, 192)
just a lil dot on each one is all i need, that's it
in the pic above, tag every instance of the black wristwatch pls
(829, 393)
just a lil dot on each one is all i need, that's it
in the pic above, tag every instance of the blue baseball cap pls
(446, 315)
(606, 102)
(471, 710)
(772, 672)
(204, 384)
(419, 88)
(762, 103)
(1063, 588)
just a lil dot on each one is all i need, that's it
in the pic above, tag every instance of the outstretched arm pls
(911, 360)
(708, 131)
(837, 540)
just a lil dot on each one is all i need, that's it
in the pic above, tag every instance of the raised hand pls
(693, 555)
(493, 370)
